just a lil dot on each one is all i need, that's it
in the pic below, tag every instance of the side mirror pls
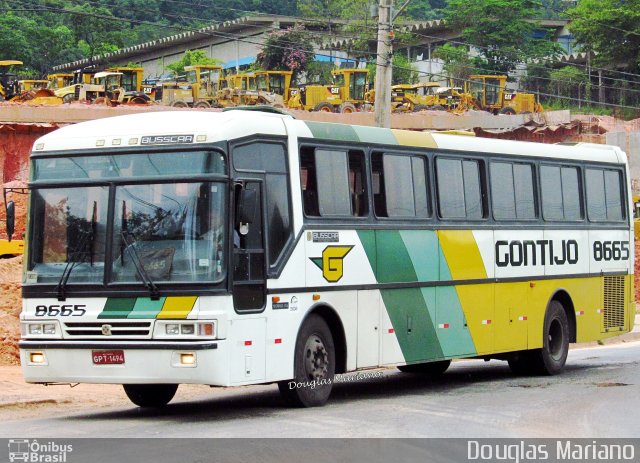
(11, 219)
(247, 206)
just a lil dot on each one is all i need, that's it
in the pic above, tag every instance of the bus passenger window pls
(512, 195)
(604, 195)
(333, 183)
(560, 193)
(400, 186)
(459, 189)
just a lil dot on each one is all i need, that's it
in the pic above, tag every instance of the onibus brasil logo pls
(332, 262)
(34, 451)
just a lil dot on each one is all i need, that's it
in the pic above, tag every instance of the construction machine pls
(271, 84)
(35, 92)
(8, 80)
(198, 88)
(423, 96)
(489, 93)
(345, 95)
(73, 90)
(10, 247)
(118, 86)
(59, 80)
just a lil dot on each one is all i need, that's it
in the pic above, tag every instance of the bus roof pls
(209, 126)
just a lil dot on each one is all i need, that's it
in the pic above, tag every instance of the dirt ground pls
(10, 306)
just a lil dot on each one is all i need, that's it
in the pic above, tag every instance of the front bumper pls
(146, 362)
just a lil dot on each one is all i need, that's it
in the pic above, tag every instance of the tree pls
(287, 50)
(191, 58)
(611, 28)
(458, 65)
(403, 71)
(500, 31)
(570, 82)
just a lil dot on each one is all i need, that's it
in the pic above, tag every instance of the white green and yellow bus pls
(245, 247)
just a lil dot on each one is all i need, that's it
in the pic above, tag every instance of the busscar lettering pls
(165, 139)
(525, 253)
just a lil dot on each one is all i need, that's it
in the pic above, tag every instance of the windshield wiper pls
(72, 262)
(139, 266)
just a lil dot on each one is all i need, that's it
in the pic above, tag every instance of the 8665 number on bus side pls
(610, 250)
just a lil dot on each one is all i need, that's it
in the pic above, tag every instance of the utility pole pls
(382, 108)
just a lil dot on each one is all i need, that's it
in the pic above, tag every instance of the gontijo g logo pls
(332, 262)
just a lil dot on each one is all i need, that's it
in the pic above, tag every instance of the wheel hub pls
(316, 358)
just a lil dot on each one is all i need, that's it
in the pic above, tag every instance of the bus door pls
(249, 287)
(248, 362)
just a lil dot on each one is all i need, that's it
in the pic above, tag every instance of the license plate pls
(108, 357)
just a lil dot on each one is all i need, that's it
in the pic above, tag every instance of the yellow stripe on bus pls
(413, 138)
(177, 307)
(465, 263)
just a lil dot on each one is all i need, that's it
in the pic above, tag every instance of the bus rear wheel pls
(313, 366)
(550, 360)
(150, 395)
(428, 369)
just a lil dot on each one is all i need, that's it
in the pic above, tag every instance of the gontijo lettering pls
(539, 252)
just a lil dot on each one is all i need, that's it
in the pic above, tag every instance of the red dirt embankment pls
(10, 306)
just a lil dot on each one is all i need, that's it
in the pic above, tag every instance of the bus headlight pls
(172, 328)
(187, 329)
(41, 330)
(35, 328)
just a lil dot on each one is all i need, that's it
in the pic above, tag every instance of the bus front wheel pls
(551, 358)
(150, 395)
(313, 366)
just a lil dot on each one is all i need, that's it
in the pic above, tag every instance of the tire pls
(438, 107)
(314, 361)
(202, 104)
(429, 369)
(179, 104)
(150, 395)
(324, 107)
(347, 108)
(521, 363)
(68, 98)
(420, 107)
(550, 360)
(507, 110)
(138, 100)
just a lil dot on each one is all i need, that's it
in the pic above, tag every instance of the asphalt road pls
(598, 395)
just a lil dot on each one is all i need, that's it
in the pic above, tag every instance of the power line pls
(237, 37)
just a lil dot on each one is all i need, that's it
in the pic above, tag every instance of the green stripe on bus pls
(412, 324)
(422, 247)
(368, 240)
(443, 303)
(146, 308)
(330, 131)
(375, 135)
(118, 307)
(394, 263)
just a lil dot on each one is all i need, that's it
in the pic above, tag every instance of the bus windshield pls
(174, 231)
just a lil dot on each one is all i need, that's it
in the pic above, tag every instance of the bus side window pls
(309, 184)
(333, 183)
(400, 185)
